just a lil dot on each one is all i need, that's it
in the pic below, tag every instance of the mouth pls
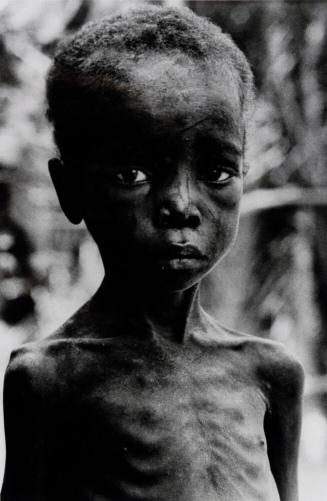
(180, 257)
(181, 251)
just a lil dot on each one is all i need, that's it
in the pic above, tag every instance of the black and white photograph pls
(163, 250)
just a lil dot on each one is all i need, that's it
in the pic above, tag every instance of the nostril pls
(193, 220)
(172, 218)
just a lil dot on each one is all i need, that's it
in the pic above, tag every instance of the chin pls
(177, 280)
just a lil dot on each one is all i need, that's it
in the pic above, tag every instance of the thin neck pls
(168, 314)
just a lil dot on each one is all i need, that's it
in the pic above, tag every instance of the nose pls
(177, 203)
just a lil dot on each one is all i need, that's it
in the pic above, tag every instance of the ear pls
(68, 192)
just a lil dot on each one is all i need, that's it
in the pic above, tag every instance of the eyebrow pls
(221, 117)
(227, 145)
(231, 148)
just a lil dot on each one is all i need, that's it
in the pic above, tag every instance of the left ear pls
(68, 190)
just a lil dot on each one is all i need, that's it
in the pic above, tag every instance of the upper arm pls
(283, 423)
(23, 430)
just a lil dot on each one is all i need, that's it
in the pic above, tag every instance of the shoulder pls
(36, 365)
(29, 369)
(42, 374)
(52, 363)
(280, 371)
(24, 391)
(274, 366)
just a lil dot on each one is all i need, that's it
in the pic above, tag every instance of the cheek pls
(223, 235)
(227, 231)
(117, 223)
(222, 214)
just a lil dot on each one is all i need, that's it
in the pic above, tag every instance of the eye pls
(131, 177)
(218, 175)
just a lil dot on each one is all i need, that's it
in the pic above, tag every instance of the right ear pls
(68, 191)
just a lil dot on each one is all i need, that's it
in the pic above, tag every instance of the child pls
(141, 395)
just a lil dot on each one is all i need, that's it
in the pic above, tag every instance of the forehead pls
(165, 100)
(184, 93)
(160, 81)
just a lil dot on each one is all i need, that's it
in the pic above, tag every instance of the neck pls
(168, 314)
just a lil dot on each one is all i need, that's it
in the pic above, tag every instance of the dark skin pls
(141, 395)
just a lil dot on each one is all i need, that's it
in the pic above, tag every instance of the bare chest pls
(178, 429)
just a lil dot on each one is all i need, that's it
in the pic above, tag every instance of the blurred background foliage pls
(274, 283)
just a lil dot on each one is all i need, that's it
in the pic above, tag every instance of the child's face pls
(162, 197)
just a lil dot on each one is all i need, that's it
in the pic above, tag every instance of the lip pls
(181, 252)
(181, 258)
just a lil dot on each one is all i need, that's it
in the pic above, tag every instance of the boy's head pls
(149, 113)
(94, 71)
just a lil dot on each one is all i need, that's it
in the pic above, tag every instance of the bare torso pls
(144, 418)
(152, 421)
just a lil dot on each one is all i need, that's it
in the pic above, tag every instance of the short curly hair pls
(88, 65)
